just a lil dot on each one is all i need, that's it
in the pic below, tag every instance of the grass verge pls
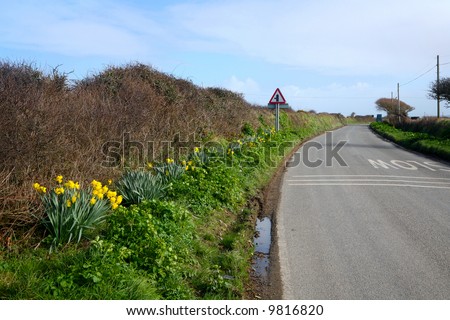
(418, 141)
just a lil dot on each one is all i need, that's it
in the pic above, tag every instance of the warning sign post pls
(277, 99)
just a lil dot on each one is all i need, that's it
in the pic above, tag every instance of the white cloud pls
(248, 85)
(330, 37)
(349, 36)
(79, 28)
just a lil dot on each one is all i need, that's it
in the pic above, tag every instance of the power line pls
(428, 71)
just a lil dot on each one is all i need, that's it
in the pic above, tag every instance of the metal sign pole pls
(277, 117)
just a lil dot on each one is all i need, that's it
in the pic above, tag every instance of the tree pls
(443, 91)
(390, 106)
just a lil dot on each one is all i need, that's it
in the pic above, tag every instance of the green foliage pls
(247, 129)
(139, 185)
(169, 172)
(419, 141)
(158, 236)
(67, 223)
(100, 272)
(205, 188)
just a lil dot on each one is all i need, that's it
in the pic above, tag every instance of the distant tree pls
(352, 115)
(443, 91)
(390, 106)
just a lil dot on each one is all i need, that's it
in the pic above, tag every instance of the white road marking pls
(369, 180)
(364, 175)
(368, 184)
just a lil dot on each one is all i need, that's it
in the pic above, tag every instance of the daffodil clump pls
(73, 212)
(169, 170)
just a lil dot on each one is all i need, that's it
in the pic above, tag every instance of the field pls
(133, 184)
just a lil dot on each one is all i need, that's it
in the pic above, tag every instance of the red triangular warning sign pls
(277, 98)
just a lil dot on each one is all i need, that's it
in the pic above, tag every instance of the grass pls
(191, 241)
(422, 140)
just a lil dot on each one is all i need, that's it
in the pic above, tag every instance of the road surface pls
(368, 221)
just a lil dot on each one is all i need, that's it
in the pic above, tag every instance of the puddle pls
(262, 241)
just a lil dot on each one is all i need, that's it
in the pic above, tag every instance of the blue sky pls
(326, 55)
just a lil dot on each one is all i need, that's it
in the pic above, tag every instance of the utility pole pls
(398, 98)
(437, 89)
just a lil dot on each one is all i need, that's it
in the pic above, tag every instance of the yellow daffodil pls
(68, 203)
(114, 206)
(74, 199)
(70, 184)
(110, 194)
(96, 184)
(93, 201)
(196, 150)
(119, 199)
(59, 190)
(149, 165)
(39, 188)
(110, 182)
(59, 179)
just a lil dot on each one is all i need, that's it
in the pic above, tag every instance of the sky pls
(324, 55)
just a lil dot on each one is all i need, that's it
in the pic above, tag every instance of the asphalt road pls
(372, 223)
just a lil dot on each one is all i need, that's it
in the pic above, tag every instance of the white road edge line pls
(367, 184)
(365, 180)
(363, 175)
